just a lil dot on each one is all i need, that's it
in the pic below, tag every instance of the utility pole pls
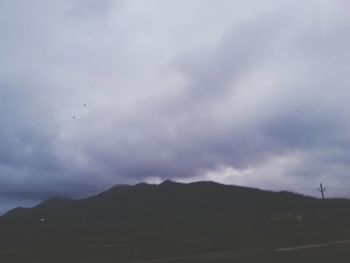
(321, 189)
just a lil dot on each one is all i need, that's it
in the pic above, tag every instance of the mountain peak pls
(168, 182)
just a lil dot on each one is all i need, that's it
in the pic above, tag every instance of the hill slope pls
(175, 219)
(169, 202)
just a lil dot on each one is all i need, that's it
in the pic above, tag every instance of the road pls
(314, 245)
(336, 252)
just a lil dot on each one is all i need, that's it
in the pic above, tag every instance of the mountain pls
(175, 219)
(166, 203)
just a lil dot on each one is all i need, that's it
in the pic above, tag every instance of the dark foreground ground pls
(336, 253)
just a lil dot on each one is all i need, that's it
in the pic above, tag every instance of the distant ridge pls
(168, 199)
(172, 204)
(145, 221)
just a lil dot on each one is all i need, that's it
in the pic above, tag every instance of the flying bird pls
(74, 115)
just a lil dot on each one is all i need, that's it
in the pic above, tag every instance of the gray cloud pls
(244, 93)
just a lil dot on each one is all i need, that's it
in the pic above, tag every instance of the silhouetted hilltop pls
(171, 219)
(168, 203)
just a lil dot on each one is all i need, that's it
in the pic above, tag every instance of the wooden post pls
(321, 189)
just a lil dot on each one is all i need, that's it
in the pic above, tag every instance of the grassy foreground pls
(339, 253)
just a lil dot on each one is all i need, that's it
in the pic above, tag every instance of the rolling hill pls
(170, 219)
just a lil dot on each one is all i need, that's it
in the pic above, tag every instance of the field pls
(334, 253)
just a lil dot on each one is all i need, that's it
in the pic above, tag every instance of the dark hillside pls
(174, 219)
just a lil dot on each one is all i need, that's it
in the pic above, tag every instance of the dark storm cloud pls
(248, 93)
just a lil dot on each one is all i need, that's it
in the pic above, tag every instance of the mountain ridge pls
(194, 193)
(172, 219)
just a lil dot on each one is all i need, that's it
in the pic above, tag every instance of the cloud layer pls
(244, 93)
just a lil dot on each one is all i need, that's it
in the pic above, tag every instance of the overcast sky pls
(97, 93)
